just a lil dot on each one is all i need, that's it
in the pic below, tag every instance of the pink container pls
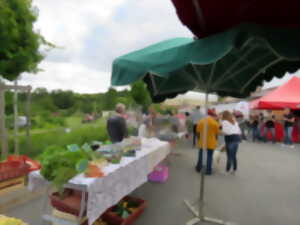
(160, 174)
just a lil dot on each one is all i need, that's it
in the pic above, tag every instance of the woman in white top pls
(146, 129)
(232, 133)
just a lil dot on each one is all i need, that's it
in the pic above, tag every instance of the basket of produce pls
(68, 202)
(132, 143)
(13, 169)
(126, 212)
(112, 153)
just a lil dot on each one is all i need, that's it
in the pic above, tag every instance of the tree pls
(110, 99)
(140, 94)
(63, 99)
(20, 44)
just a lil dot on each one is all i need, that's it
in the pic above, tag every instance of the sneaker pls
(197, 169)
(292, 146)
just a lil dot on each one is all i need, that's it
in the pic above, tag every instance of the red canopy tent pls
(285, 96)
(207, 17)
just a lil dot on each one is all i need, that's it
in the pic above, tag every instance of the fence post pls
(3, 133)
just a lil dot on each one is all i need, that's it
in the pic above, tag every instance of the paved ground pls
(265, 191)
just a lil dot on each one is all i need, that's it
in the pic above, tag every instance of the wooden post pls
(28, 119)
(16, 138)
(3, 134)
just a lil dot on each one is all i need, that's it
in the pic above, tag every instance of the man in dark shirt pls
(116, 125)
(270, 127)
(289, 121)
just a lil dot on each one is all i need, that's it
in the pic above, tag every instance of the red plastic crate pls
(113, 219)
(13, 169)
(70, 203)
(33, 164)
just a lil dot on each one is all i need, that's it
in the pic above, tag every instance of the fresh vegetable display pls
(124, 208)
(59, 165)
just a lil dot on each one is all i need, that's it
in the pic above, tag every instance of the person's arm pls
(218, 128)
(123, 127)
(198, 128)
(239, 129)
(292, 119)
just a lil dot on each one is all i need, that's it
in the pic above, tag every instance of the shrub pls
(40, 141)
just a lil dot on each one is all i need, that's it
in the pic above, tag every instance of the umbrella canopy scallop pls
(232, 63)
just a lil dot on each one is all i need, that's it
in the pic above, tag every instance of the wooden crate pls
(67, 216)
(12, 184)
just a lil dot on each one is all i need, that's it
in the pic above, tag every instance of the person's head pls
(187, 114)
(228, 116)
(198, 107)
(120, 108)
(212, 113)
(287, 110)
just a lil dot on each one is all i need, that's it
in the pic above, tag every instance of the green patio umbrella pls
(233, 63)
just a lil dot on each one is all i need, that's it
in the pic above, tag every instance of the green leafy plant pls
(59, 165)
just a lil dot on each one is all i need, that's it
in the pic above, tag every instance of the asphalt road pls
(264, 191)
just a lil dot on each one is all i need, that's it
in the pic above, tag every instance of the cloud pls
(68, 23)
(68, 76)
(92, 34)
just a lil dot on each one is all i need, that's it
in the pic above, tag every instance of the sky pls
(91, 34)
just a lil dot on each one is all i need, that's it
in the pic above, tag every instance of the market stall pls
(118, 180)
(285, 96)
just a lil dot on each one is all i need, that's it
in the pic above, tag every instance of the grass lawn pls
(79, 134)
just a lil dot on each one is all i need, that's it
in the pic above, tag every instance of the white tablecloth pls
(119, 180)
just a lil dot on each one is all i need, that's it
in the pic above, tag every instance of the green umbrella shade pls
(232, 63)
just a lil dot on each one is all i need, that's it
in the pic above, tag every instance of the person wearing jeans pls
(289, 120)
(210, 153)
(195, 117)
(270, 127)
(210, 143)
(232, 133)
(231, 151)
(254, 128)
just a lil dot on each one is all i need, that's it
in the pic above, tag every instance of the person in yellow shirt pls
(213, 129)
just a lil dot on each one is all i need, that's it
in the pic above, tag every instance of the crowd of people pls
(258, 127)
(235, 128)
(207, 130)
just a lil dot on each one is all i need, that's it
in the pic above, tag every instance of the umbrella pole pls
(199, 216)
(204, 151)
